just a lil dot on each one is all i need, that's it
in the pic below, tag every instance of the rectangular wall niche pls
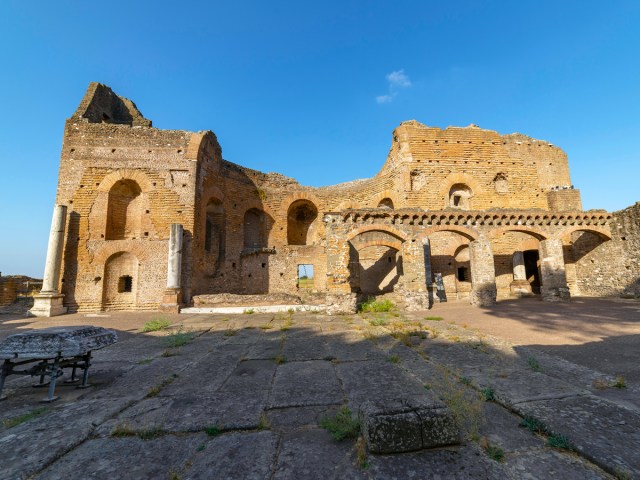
(305, 276)
(125, 284)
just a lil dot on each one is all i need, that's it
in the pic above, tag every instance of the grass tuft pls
(534, 425)
(489, 394)
(393, 359)
(156, 324)
(533, 364)
(212, 431)
(620, 382)
(559, 441)
(377, 322)
(154, 391)
(373, 305)
(179, 338)
(25, 417)
(342, 425)
(434, 319)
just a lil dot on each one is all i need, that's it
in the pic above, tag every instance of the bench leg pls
(85, 375)
(43, 365)
(4, 373)
(73, 378)
(55, 372)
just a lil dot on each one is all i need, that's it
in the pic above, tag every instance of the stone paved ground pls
(243, 398)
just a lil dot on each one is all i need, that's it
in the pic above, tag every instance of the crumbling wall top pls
(101, 105)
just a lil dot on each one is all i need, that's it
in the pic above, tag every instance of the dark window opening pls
(456, 200)
(125, 284)
(463, 274)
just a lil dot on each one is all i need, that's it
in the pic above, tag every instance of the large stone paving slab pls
(313, 455)
(305, 384)
(601, 431)
(29, 447)
(111, 458)
(248, 456)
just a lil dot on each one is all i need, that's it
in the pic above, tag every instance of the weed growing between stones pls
(230, 332)
(361, 453)
(559, 441)
(179, 338)
(249, 311)
(465, 404)
(150, 433)
(125, 430)
(534, 425)
(620, 382)
(393, 359)
(280, 359)
(377, 322)
(373, 305)
(25, 417)
(434, 319)
(342, 425)
(156, 324)
(263, 422)
(533, 364)
(493, 452)
(169, 353)
(145, 361)
(200, 447)
(154, 391)
(489, 394)
(212, 431)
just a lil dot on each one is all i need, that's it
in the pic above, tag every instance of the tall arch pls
(214, 231)
(301, 216)
(124, 210)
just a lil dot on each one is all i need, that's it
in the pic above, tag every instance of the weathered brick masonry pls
(453, 213)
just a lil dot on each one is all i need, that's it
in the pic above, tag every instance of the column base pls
(483, 295)
(47, 305)
(520, 288)
(171, 300)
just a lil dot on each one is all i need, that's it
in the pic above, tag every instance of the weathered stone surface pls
(106, 458)
(54, 341)
(247, 456)
(406, 425)
(304, 384)
(313, 454)
(550, 464)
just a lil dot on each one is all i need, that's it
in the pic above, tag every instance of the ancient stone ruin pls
(150, 219)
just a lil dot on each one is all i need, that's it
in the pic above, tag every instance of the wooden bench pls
(47, 352)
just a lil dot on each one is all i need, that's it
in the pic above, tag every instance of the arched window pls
(300, 217)
(254, 229)
(386, 203)
(459, 196)
(124, 210)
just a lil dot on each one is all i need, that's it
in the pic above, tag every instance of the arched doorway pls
(300, 218)
(124, 210)
(120, 282)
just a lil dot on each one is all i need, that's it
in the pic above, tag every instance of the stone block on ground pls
(406, 425)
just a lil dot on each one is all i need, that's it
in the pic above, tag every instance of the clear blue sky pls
(313, 90)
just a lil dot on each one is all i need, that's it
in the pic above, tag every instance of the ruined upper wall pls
(101, 105)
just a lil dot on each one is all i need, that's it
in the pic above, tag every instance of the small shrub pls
(212, 431)
(600, 384)
(266, 326)
(342, 425)
(25, 417)
(249, 311)
(373, 305)
(533, 364)
(559, 441)
(465, 380)
(620, 382)
(200, 447)
(156, 324)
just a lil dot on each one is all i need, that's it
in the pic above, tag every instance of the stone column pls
(171, 299)
(49, 302)
(520, 286)
(483, 273)
(554, 279)
(413, 282)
